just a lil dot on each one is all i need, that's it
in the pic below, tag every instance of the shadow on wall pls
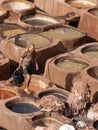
(1, 128)
(69, 80)
(95, 97)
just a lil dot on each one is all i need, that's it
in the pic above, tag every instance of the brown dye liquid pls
(13, 32)
(57, 94)
(49, 122)
(34, 88)
(5, 94)
(37, 22)
(71, 65)
(39, 41)
(82, 4)
(93, 53)
(23, 108)
(63, 33)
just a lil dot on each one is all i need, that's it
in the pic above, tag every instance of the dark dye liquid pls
(23, 108)
(96, 125)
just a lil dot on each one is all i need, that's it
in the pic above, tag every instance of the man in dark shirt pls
(29, 64)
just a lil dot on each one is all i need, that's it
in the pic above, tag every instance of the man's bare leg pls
(27, 82)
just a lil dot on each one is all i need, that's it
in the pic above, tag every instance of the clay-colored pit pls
(95, 125)
(17, 5)
(11, 30)
(48, 122)
(81, 3)
(62, 94)
(93, 72)
(91, 51)
(26, 39)
(6, 93)
(22, 106)
(71, 65)
(39, 20)
(67, 33)
(93, 11)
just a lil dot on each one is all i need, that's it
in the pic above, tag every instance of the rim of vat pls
(69, 58)
(55, 116)
(92, 9)
(90, 14)
(10, 90)
(31, 6)
(27, 100)
(92, 68)
(51, 43)
(69, 2)
(42, 80)
(49, 90)
(88, 47)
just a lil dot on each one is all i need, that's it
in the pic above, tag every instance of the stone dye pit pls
(93, 11)
(10, 30)
(90, 51)
(46, 121)
(63, 33)
(71, 65)
(67, 66)
(39, 20)
(22, 7)
(70, 37)
(91, 16)
(6, 93)
(81, 3)
(25, 39)
(22, 106)
(60, 93)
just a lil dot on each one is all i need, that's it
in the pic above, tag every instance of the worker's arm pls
(20, 63)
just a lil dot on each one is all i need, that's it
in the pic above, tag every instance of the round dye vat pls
(25, 39)
(6, 93)
(81, 3)
(61, 94)
(93, 72)
(67, 33)
(10, 29)
(48, 122)
(91, 51)
(17, 5)
(39, 20)
(22, 107)
(93, 11)
(95, 125)
(71, 65)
